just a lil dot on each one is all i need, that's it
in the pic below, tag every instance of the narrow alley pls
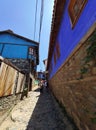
(37, 112)
(48, 43)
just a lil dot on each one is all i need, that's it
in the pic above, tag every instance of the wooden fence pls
(11, 79)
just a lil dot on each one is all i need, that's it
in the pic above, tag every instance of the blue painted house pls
(21, 51)
(15, 46)
(40, 76)
(72, 32)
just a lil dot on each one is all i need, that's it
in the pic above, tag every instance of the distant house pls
(40, 75)
(71, 59)
(21, 51)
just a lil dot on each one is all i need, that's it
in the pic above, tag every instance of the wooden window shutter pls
(58, 50)
(54, 58)
(75, 8)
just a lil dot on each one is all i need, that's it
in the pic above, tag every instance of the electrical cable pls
(41, 18)
(35, 18)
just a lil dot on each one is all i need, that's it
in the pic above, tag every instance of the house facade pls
(21, 52)
(41, 75)
(71, 59)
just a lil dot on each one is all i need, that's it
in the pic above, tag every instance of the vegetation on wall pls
(90, 55)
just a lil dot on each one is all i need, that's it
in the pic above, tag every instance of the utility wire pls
(40, 66)
(35, 18)
(41, 18)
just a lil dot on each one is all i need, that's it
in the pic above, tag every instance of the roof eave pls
(55, 25)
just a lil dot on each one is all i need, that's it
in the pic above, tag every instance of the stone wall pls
(22, 64)
(27, 67)
(77, 91)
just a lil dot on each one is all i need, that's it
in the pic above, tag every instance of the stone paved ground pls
(37, 112)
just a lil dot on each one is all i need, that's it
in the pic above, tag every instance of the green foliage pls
(94, 113)
(93, 120)
(86, 110)
(91, 54)
(84, 70)
(92, 38)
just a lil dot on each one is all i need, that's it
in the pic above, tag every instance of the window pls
(56, 53)
(55, 58)
(75, 8)
(32, 51)
(58, 50)
(50, 69)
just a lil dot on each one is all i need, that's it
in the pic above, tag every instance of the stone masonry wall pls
(25, 66)
(76, 91)
(22, 64)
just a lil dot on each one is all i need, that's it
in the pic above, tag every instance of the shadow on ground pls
(44, 116)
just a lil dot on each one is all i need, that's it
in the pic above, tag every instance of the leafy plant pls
(93, 120)
(84, 70)
(94, 113)
(91, 54)
(86, 110)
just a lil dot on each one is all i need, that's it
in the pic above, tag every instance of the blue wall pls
(69, 38)
(14, 51)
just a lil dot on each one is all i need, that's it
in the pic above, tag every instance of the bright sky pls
(19, 16)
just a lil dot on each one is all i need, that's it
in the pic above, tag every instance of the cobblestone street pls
(37, 112)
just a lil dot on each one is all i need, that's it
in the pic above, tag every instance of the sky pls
(19, 16)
